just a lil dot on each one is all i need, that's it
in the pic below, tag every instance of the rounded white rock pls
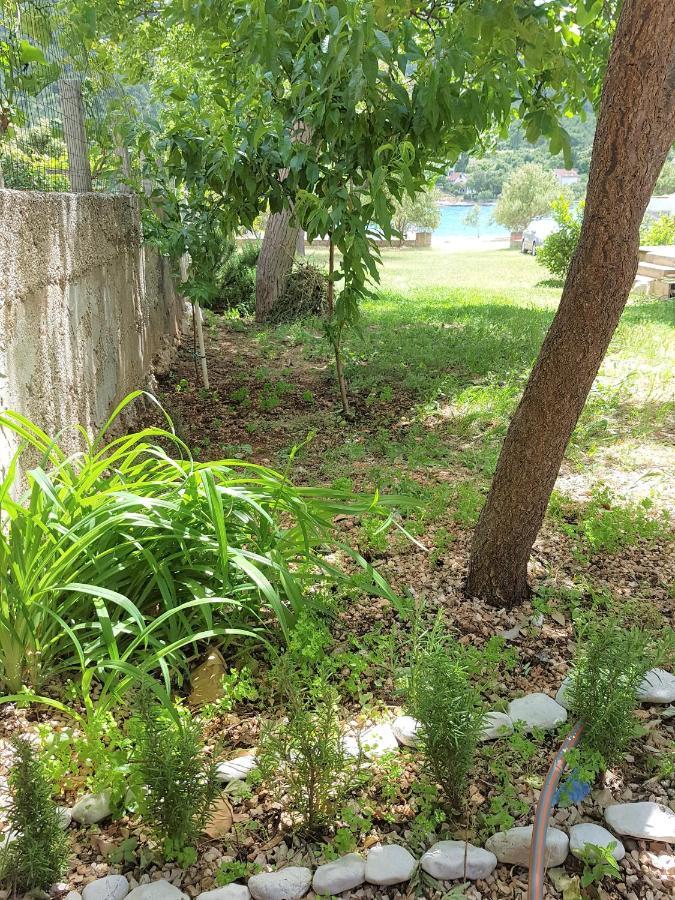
(286, 884)
(229, 892)
(513, 846)
(236, 769)
(646, 821)
(112, 887)
(344, 874)
(590, 833)
(658, 686)
(562, 697)
(378, 740)
(389, 864)
(157, 890)
(537, 711)
(92, 808)
(405, 730)
(496, 725)
(448, 860)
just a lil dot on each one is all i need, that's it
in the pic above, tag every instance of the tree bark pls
(275, 261)
(635, 130)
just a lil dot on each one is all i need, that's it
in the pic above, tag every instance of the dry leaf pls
(220, 821)
(207, 679)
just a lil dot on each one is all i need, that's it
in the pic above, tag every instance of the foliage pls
(666, 180)
(178, 785)
(528, 193)
(237, 280)
(558, 248)
(304, 757)
(421, 212)
(472, 218)
(598, 863)
(659, 231)
(37, 854)
(304, 295)
(234, 870)
(610, 663)
(450, 712)
(122, 555)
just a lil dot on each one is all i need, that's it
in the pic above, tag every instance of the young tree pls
(527, 193)
(421, 211)
(636, 128)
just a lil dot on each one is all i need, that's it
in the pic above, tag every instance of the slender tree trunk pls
(336, 332)
(636, 128)
(275, 261)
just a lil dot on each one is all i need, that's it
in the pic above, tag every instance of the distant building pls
(566, 176)
(457, 177)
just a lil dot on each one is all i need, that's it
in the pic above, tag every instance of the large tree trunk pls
(275, 261)
(636, 128)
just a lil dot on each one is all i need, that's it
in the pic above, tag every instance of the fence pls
(63, 120)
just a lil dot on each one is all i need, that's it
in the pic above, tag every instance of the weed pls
(235, 870)
(237, 686)
(598, 863)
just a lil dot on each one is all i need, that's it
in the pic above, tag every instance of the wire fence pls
(63, 121)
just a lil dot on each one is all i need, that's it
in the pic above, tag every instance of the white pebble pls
(389, 864)
(113, 887)
(448, 860)
(590, 833)
(286, 884)
(344, 874)
(513, 846)
(537, 711)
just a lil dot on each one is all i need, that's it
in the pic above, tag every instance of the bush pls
(527, 193)
(451, 715)
(304, 295)
(559, 248)
(38, 854)
(659, 231)
(177, 784)
(610, 662)
(237, 280)
(303, 758)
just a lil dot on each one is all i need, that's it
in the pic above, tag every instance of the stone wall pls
(86, 310)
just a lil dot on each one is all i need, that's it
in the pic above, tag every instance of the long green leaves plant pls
(131, 554)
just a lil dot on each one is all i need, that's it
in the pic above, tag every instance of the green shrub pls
(449, 709)
(659, 231)
(237, 280)
(303, 757)
(304, 295)
(38, 854)
(610, 662)
(178, 785)
(558, 249)
(123, 553)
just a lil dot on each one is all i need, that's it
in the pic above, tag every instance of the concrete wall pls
(85, 308)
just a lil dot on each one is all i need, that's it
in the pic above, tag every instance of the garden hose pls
(535, 889)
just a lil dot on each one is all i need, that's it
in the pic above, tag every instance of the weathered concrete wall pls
(85, 308)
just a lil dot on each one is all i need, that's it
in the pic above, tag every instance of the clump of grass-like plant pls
(610, 663)
(177, 783)
(37, 852)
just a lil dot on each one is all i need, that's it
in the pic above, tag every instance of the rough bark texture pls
(636, 128)
(275, 261)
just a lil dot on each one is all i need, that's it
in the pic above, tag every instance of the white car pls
(536, 233)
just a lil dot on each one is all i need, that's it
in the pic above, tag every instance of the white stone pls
(390, 864)
(590, 833)
(286, 884)
(405, 730)
(648, 821)
(92, 808)
(73, 895)
(446, 861)
(344, 874)
(65, 816)
(562, 697)
(658, 686)
(113, 887)
(236, 769)
(157, 890)
(537, 711)
(229, 892)
(378, 740)
(513, 846)
(496, 725)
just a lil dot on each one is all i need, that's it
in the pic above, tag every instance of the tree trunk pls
(635, 130)
(275, 261)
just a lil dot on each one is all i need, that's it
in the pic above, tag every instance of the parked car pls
(536, 233)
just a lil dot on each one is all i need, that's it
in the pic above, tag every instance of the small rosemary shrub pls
(178, 784)
(302, 758)
(38, 855)
(610, 662)
(451, 714)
